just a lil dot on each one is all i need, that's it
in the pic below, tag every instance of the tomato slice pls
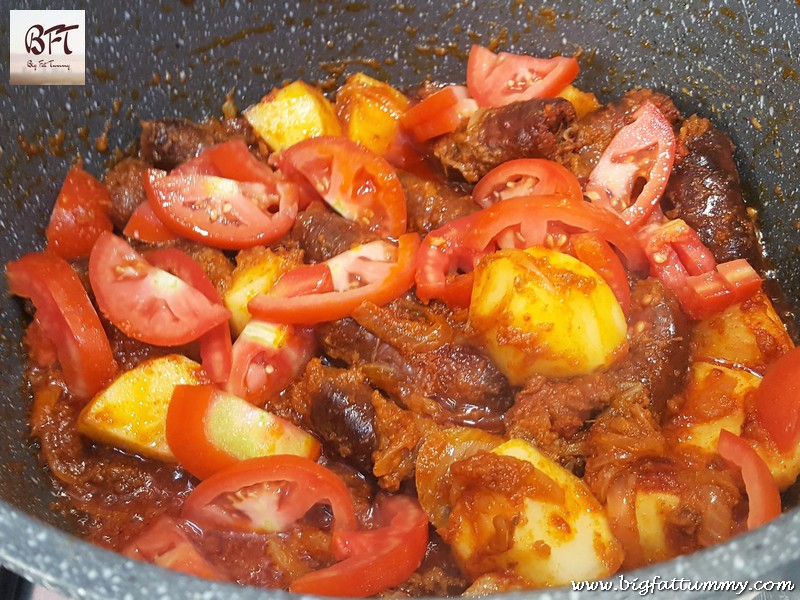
(209, 430)
(269, 493)
(526, 177)
(220, 212)
(441, 112)
(524, 221)
(499, 79)
(267, 357)
(145, 302)
(383, 272)
(216, 347)
(355, 182)
(166, 545)
(762, 493)
(79, 216)
(687, 267)
(376, 559)
(444, 264)
(777, 401)
(592, 249)
(643, 151)
(67, 317)
(145, 226)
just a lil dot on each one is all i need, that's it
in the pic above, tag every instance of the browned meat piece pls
(214, 262)
(704, 191)
(167, 143)
(322, 233)
(584, 141)
(550, 412)
(125, 183)
(340, 413)
(527, 129)
(415, 358)
(431, 203)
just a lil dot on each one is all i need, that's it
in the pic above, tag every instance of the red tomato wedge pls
(145, 226)
(267, 357)
(441, 112)
(524, 222)
(166, 544)
(209, 430)
(526, 177)
(762, 493)
(216, 347)
(79, 216)
(376, 559)
(67, 317)
(632, 172)
(221, 212)
(268, 494)
(354, 181)
(777, 401)
(145, 302)
(591, 249)
(445, 264)
(684, 265)
(376, 272)
(499, 79)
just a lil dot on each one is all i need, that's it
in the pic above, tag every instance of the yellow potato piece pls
(369, 111)
(552, 543)
(257, 270)
(291, 114)
(544, 312)
(583, 102)
(131, 413)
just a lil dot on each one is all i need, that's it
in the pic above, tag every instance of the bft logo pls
(35, 42)
(48, 47)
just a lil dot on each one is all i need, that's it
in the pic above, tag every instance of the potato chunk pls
(131, 413)
(291, 114)
(544, 312)
(369, 111)
(529, 516)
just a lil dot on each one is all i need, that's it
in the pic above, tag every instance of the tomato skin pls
(312, 308)
(145, 302)
(264, 365)
(441, 112)
(685, 266)
(165, 544)
(526, 177)
(643, 149)
(777, 401)
(762, 492)
(310, 482)
(221, 212)
(145, 226)
(216, 347)
(67, 316)
(444, 264)
(591, 249)
(533, 214)
(355, 182)
(79, 216)
(376, 559)
(499, 79)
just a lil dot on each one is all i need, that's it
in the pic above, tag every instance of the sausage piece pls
(527, 129)
(704, 191)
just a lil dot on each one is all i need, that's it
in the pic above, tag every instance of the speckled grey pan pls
(733, 61)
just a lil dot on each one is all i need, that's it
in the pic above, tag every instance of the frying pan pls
(735, 62)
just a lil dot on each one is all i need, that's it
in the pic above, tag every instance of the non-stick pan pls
(734, 61)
